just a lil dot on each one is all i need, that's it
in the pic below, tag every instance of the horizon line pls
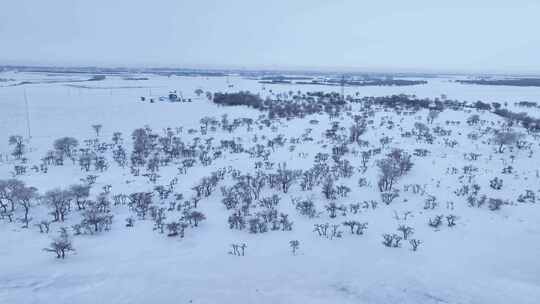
(276, 68)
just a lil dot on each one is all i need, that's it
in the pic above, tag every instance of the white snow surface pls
(488, 257)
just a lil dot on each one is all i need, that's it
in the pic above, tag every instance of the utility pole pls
(343, 87)
(28, 133)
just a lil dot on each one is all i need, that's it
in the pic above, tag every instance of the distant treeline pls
(406, 101)
(242, 98)
(93, 78)
(275, 81)
(285, 78)
(527, 104)
(410, 102)
(381, 82)
(522, 82)
(192, 73)
(353, 83)
(135, 78)
(529, 123)
(97, 78)
(309, 103)
(299, 106)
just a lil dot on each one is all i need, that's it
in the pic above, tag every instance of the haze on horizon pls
(416, 35)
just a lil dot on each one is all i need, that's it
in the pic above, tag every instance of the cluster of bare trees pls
(254, 199)
(296, 105)
(329, 231)
(238, 249)
(96, 217)
(356, 227)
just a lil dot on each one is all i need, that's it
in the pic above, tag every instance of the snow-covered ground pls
(487, 257)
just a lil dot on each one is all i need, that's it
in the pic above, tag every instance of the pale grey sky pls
(426, 35)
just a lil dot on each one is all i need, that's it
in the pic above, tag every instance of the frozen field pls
(489, 256)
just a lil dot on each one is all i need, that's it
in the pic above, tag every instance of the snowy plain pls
(488, 257)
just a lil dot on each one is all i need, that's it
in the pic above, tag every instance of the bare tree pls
(306, 207)
(356, 130)
(436, 221)
(140, 202)
(332, 209)
(286, 177)
(415, 243)
(392, 240)
(80, 194)
(395, 165)
(117, 138)
(96, 218)
(65, 146)
(406, 231)
(43, 226)
(18, 142)
(195, 217)
(356, 226)
(294, 244)
(495, 204)
(328, 188)
(61, 245)
(97, 128)
(176, 228)
(8, 192)
(59, 201)
(505, 138)
(389, 174)
(432, 115)
(25, 197)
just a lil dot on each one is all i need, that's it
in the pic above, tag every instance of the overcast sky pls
(423, 35)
